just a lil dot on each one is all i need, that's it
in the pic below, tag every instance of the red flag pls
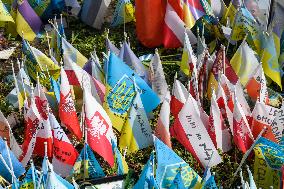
(242, 133)
(162, 129)
(44, 132)
(263, 116)
(64, 153)
(217, 130)
(179, 97)
(99, 128)
(67, 111)
(32, 123)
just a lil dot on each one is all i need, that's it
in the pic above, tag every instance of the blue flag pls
(168, 162)
(114, 75)
(210, 183)
(147, 179)
(55, 181)
(273, 153)
(56, 89)
(122, 167)
(30, 179)
(177, 182)
(17, 166)
(128, 56)
(92, 167)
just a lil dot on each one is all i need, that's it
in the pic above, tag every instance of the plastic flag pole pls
(249, 151)
(39, 181)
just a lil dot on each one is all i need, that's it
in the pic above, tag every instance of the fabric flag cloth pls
(31, 178)
(39, 64)
(6, 132)
(87, 166)
(244, 62)
(210, 183)
(168, 162)
(94, 68)
(124, 13)
(179, 97)
(217, 130)
(273, 153)
(192, 11)
(149, 27)
(278, 124)
(136, 132)
(72, 53)
(174, 27)
(56, 181)
(110, 46)
(28, 23)
(122, 167)
(99, 8)
(188, 60)
(242, 134)
(128, 56)
(121, 92)
(79, 77)
(197, 134)
(256, 86)
(10, 160)
(67, 111)
(56, 89)
(177, 182)
(147, 179)
(5, 16)
(64, 153)
(157, 77)
(99, 128)
(264, 176)
(162, 130)
(218, 7)
(269, 59)
(263, 116)
(44, 133)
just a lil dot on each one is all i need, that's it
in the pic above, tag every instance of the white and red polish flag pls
(99, 128)
(179, 97)
(263, 116)
(217, 130)
(44, 133)
(197, 134)
(162, 129)
(64, 153)
(79, 77)
(174, 27)
(67, 111)
(242, 134)
(32, 123)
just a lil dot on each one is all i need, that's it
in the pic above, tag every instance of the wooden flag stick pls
(249, 151)
(48, 43)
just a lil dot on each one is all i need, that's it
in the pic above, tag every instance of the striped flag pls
(27, 21)
(174, 27)
(93, 12)
(124, 13)
(5, 16)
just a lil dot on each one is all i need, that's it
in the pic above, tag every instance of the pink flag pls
(67, 111)
(162, 129)
(64, 153)
(217, 129)
(99, 128)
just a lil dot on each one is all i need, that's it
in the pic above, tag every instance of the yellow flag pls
(5, 16)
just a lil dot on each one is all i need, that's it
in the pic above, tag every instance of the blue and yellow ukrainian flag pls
(87, 166)
(120, 91)
(5, 16)
(122, 167)
(124, 13)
